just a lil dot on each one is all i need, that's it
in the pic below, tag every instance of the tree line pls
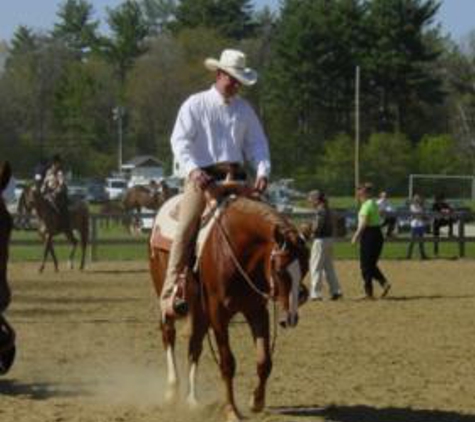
(60, 87)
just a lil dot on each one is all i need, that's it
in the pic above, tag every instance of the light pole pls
(118, 114)
(357, 128)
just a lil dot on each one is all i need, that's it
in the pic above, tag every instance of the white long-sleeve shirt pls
(209, 131)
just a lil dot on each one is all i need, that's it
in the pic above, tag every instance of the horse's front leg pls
(48, 245)
(168, 339)
(259, 322)
(53, 255)
(227, 366)
(199, 328)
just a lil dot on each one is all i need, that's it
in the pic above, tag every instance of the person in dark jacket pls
(321, 259)
(443, 218)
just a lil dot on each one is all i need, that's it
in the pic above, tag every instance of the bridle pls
(276, 260)
(276, 255)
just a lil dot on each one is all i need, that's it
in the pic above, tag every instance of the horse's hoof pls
(192, 402)
(256, 405)
(232, 415)
(171, 395)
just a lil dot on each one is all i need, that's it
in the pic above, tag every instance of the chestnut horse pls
(7, 334)
(252, 255)
(50, 224)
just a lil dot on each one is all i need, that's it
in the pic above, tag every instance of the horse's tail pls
(84, 230)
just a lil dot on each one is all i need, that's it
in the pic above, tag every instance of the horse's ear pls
(5, 174)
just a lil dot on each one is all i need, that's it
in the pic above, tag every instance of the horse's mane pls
(266, 212)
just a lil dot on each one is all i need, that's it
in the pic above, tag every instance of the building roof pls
(144, 161)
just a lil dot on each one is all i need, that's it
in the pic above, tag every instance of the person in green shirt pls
(371, 241)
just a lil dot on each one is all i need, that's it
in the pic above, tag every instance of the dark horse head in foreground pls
(7, 335)
(51, 223)
(252, 256)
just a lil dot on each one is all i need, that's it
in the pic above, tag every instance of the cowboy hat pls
(233, 62)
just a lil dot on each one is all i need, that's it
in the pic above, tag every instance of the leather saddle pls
(166, 220)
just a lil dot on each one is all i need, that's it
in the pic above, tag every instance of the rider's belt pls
(221, 171)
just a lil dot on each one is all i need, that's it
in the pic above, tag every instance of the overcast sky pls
(456, 16)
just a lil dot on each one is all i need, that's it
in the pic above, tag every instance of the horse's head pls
(26, 200)
(7, 334)
(289, 265)
(6, 225)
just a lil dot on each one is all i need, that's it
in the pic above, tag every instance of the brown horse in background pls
(151, 197)
(252, 256)
(51, 225)
(7, 334)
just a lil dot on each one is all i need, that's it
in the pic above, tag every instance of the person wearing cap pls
(39, 172)
(215, 132)
(321, 258)
(371, 240)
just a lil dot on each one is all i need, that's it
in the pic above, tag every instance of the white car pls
(146, 221)
(115, 188)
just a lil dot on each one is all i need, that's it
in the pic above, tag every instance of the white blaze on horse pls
(250, 256)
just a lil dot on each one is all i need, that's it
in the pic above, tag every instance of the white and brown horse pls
(251, 256)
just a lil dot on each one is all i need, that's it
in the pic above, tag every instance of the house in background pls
(141, 170)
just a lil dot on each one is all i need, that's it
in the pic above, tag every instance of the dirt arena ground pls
(89, 351)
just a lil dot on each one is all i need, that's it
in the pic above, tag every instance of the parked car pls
(146, 221)
(20, 184)
(96, 192)
(115, 188)
(77, 191)
(279, 198)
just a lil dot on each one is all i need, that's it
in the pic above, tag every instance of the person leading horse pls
(214, 133)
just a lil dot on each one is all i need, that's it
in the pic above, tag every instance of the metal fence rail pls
(102, 220)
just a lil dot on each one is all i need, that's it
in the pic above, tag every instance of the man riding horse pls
(54, 189)
(215, 131)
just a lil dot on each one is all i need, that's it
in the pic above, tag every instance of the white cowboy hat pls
(233, 62)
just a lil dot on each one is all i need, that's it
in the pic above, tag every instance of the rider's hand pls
(200, 178)
(261, 184)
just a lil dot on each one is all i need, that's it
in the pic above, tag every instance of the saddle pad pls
(166, 223)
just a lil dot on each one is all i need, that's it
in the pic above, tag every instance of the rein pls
(275, 253)
(242, 271)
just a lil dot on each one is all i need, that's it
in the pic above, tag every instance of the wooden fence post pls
(462, 236)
